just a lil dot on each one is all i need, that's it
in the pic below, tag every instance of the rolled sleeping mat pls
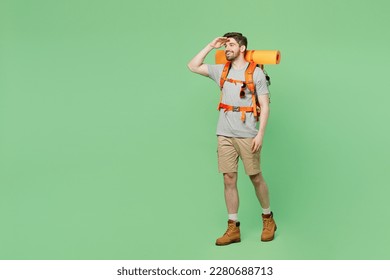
(258, 56)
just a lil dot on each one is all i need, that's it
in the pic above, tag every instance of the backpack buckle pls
(236, 109)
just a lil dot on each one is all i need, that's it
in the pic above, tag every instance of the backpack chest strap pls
(233, 81)
(248, 76)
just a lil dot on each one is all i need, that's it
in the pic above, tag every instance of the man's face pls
(232, 49)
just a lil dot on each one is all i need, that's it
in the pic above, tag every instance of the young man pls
(236, 130)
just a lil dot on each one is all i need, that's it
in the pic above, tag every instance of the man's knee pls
(256, 178)
(230, 179)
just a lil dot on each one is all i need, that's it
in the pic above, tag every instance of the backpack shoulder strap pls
(224, 74)
(249, 76)
(252, 88)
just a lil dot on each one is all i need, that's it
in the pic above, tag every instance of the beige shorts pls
(230, 149)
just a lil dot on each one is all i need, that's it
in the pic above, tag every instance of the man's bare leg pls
(261, 189)
(232, 234)
(231, 192)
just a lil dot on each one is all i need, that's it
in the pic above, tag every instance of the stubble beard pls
(230, 56)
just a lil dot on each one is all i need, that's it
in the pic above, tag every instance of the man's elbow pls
(264, 104)
(198, 69)
(191, 67)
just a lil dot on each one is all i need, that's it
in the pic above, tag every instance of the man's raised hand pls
(218, 42)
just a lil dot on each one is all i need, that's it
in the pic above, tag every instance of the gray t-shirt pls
(230, 123)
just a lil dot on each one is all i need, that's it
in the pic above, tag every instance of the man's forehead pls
(231, 41)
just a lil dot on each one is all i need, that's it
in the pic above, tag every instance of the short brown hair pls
(241, 39)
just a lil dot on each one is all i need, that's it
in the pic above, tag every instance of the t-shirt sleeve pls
(215, 71)
(261, 82)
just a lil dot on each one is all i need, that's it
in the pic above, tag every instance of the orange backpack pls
(255, 108)
(254, 57)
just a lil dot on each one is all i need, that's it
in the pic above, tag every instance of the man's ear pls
(242, 48)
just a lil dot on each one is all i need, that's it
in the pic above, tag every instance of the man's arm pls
(196, 64)
(264, 114)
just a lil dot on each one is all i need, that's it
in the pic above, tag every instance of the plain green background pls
(107, 141)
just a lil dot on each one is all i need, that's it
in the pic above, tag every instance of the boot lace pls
(229, 229)
(267, 224)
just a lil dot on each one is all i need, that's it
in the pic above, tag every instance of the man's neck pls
(239, 63)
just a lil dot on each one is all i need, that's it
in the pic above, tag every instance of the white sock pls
(267, 211)
(233, 217)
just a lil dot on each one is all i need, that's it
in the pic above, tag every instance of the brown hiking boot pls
(269, 227)
(232, 234)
